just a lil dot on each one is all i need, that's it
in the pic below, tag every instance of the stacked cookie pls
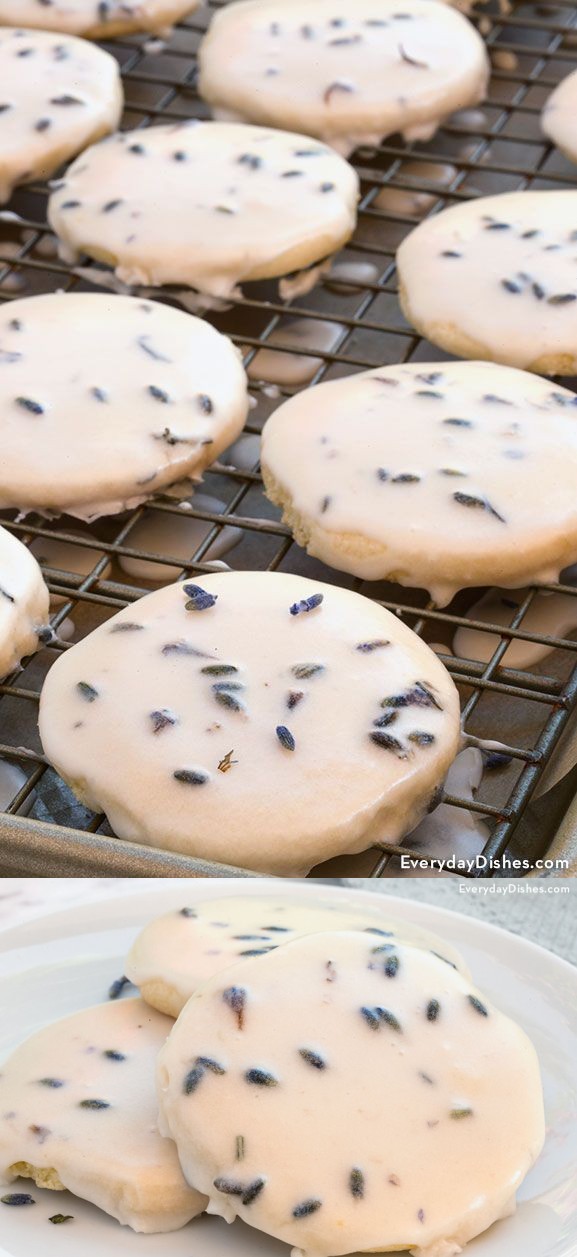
(335, 1081)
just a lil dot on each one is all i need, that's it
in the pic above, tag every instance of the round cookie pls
(24, 601)
(174, 954)
(78, 1111)
(558, 116)
(343, 1095)
(261, 720)
(208, 204)
(348, 74)
(105, 400)
(94, 19)
(516, 253)
(56, 96)
(439, 476)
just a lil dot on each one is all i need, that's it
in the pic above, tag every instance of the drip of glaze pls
(449, 830)
(404, 201)
(160, 532)
(11, 781)
(274, 366)
(552, 615)
(350, 277)
(470, 119)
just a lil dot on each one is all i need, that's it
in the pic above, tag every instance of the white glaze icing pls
(23, 602)
(176, 953)
(558, 116)
(517, 253)
(94, 19)
(133, 395)
(347, 784)
(112, 1156)
(348, 77)
(389, 1132)
(206, 204)
(478, 443)
(56, 96)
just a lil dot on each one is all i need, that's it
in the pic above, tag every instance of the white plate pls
(66, 961)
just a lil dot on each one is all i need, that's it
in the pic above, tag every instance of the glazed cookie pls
(558, 117)
(78, 1111)
(176, 953)
(388, 1075)
(349, 75)
(446, 489)
(208, 204)
(94, 19)
(517, 253)
(260, 720)
(56, 96)
(24, 602)
(105, 400)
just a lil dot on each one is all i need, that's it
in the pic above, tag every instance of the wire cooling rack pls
(495, 148)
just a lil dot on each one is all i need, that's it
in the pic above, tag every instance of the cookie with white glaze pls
(95, 19)
(78, 1111)
(105, 400)
(517, 254)
(348, 74)
(207, 204)
(259, 719)
(432, 475)
(345, 1093)
(558, 116)
(174, 954)
(56, 96)
(24, 601)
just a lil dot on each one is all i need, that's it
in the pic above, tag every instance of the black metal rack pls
(497, 147)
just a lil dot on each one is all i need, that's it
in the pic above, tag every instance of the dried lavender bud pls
(239, 1148)
(50, 1082)
(94, 1104)
(480, 504)
(256, 951)
(190, 776)
(420, 695)
(207, 1062)
(366, 648)
(459, 423)
(388, 718)
(235, 997)
(306, 604)
(422, 65)
(87, 691)
(112, 1055)
(391, 966)
(303, 671)
(17, 1199)
(118, 986)
(421, 738)
(337, 86)
(58, 1218)
(27, 403)
(312, 1058)
(192, 1079)
(426, 1078)
(126, 626)
(144, 343)
(188, 912)
(478, 1006)
(421, 1215)
(226, 762)
(357, 1183)
(372, 929)
(182, 648)
(375, 1017)
(285, 737)
(561, 299)
(226, 699)
(228, 1186)
(306, 1207)
(433, 1010)
(457, 1114)
(162, 720)
(205, 403)
(218, 669)
(252, 1191)
(293, 698)
(198, 599)
(443, 958)
(159, 394)
(261, 1078)
(388, 743)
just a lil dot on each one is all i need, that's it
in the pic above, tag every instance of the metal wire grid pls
(496, 150)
